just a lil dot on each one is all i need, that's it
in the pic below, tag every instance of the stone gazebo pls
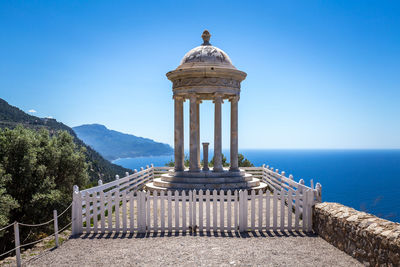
(205, 73)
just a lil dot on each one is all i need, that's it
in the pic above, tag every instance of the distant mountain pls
(11, 116)
(113, 145)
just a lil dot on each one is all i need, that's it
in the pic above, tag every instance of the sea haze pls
(367, 180)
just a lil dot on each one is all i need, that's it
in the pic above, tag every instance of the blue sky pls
(321, 74)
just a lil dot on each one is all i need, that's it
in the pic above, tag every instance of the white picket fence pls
(121, 206)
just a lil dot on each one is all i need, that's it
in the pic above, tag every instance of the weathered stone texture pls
(371, 240)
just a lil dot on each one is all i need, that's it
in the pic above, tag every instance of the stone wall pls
(371, 240)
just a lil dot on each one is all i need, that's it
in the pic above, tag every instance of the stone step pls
(209, 173)
(204, 186)
(152, 187)
(209, 180)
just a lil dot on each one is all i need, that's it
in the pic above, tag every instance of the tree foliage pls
(37, 173)
(98, 167)
(243, 162)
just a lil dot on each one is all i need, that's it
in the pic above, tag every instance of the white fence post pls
(300, 188)
(75, 209)
(310, 210)
(141, 196)
(117, 178)
(55, 226)
(17, 244)
(318, 187)
(305, 210)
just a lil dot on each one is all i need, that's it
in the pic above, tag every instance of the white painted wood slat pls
(221, 210)
(201, 198)
(282, 213)
(260, 209)
(87, 214)
(253, 210)
(131, 212)
(215, 218)
(155, 210)
(183, 211)
(116, 203)
(275, 214)
(102, 215)
(290, 209)
(176, 199)
(162, 210)
(208, 210)
(109, 213)
(267, 210)
(124, 219)
(229, 210)
(169, 196)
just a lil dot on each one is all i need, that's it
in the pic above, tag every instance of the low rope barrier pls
(4, 228)
(36, 225)
(37, 241)
(16, 233)
(61, 214)
(8, 252)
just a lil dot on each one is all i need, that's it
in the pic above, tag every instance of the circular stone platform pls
(204, 180)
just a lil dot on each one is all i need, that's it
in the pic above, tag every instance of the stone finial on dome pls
(206, 37)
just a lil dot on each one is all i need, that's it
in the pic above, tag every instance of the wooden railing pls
(96, 209)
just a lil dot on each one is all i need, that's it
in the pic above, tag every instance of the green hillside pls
(11, 116)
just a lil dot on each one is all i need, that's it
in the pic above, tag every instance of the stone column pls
(178, 134)
(234, 134)
(217, 134)
(193, 161)
(205, 156)
(198, 134)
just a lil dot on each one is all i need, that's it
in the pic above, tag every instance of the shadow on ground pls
(226, 234)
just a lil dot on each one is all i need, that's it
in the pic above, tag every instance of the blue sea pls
(367, 180)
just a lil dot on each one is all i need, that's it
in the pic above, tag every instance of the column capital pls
(218, 98)
(179, 97)
(234, 98)
(193, 97)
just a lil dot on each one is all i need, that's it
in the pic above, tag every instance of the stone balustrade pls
(371, 240)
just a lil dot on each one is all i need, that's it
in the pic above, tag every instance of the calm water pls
(367, 180)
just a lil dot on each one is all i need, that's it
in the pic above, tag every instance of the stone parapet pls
(371, 240)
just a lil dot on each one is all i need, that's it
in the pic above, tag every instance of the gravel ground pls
(177, 249)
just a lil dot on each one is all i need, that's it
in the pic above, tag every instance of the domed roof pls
(206, 54)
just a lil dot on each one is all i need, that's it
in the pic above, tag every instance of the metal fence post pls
(55, 227)
(17, 244)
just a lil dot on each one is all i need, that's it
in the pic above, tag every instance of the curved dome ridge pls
(207, 54)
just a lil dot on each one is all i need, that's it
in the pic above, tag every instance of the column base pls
(216, 169)
(208, 180)
(234, 169)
